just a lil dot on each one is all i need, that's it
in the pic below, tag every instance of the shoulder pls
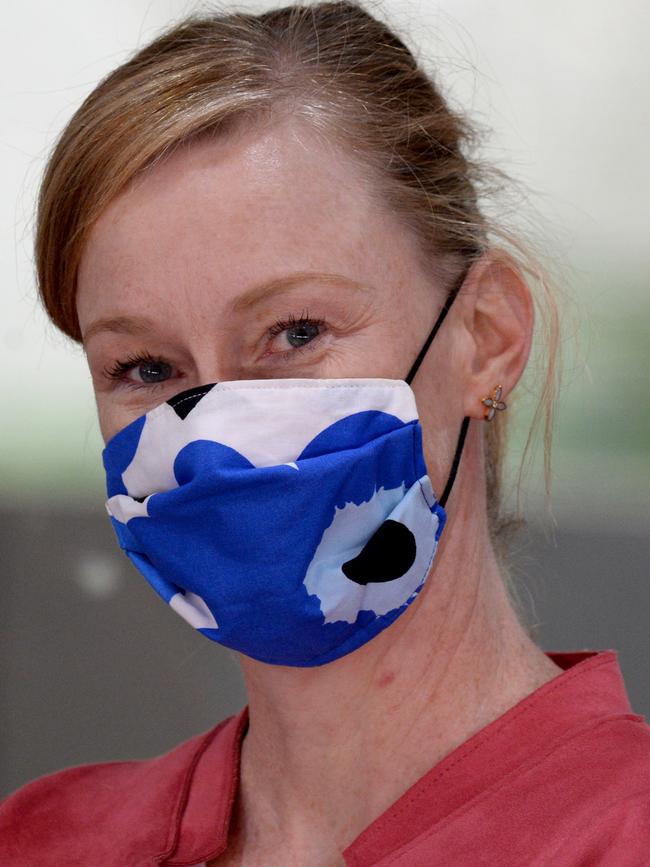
(595, 770)
(593, 790)
(615, 751)
(609, 775)
(104, 804)
(581, 799)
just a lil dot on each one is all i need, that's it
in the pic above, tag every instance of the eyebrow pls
(280, 284)
(119, 325)
(253, 296)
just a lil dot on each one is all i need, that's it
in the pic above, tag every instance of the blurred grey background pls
(93, 665)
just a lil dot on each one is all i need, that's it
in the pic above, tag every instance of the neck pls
(330, 748)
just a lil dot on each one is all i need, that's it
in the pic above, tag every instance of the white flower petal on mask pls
(123, 508)
(194, 609)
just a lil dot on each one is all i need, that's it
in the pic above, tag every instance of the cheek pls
(436, 444)
(441, 415)
(112, 417)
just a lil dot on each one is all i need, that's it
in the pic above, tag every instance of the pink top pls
(561, 778)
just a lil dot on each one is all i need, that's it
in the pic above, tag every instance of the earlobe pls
(499, 316)
(494, 403)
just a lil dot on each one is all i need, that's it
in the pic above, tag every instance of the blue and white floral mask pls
(289, 519)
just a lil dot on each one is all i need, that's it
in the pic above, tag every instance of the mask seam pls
(398, 385)
(196, 397)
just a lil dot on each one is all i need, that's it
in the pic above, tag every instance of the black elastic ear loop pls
(451, 297)
(455, 463)
(446, 307)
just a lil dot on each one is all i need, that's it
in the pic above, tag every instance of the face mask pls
(289, 519)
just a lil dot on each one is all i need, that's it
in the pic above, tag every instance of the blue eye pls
(296, 333)
(152, 371)
(138, 370)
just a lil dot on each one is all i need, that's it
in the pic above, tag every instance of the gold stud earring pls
(494, 403)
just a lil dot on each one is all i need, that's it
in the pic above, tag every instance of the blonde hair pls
(355, 81)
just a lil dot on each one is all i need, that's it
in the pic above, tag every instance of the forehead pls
(234, 212)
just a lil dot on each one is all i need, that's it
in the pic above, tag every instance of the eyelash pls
(119, 369)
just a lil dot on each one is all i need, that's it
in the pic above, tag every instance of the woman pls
(303, 337)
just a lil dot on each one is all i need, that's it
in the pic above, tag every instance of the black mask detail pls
(387, 555)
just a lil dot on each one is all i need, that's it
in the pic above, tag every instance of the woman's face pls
(260, 255)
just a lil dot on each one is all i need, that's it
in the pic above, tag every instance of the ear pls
(498, 315)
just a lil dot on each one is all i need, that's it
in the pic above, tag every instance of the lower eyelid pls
(124, 381)
(297, 355)
(132, 385)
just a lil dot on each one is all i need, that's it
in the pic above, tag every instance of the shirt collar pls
(589, 688)
(199, 829)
